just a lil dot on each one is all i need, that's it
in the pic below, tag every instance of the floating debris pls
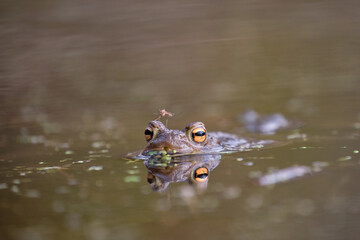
(318, 166)
(66, 159)
(356, 151)
(239, 159)
(132, 172)
(32, 193)
(78, 162)
(132, 178)
(15, 189)
(255, 174)
(260, 158)
(283, 175)
(98, 156)
(248, 163)
(346, 158)
(62, 190)
(98, 144)
(95, 168)
(49, 168)
(69, 152)
(97, 152)
(3, 186)
(32, 139)
(72, 181)
(16, 181)
(297, 136)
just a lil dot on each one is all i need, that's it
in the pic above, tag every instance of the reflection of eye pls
(201, 174)
(148, 133)
(198, 134)
(151, 178)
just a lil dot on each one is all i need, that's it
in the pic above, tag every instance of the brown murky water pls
(79, 82)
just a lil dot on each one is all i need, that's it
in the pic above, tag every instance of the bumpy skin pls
(179, 140)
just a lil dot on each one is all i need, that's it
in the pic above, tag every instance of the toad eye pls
(198, 134)
(149, 133)
(201, 174)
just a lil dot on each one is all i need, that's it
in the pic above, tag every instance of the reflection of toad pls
(194, 169)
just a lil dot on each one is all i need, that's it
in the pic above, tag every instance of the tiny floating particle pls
(95, 168)
(3, 186)
(356, 151)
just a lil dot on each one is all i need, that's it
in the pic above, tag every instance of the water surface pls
(79, 83)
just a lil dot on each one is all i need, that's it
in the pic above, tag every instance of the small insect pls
(163, 113)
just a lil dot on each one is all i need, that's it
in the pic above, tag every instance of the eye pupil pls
(148, 134)
(198, 134)
(201, 174)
